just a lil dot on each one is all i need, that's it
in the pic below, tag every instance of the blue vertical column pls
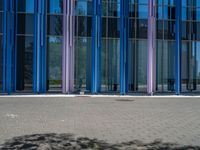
(178, 47)
(124, 11)
(39, 53)
(8, 45)
(5, 8)
(96, 45)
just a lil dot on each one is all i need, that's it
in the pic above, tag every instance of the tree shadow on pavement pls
(54, 141)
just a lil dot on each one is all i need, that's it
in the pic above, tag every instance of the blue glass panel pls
(184, 3)
(184, 13)
(55, 6)
(168, 2)
(83, 8)
(142, 11)
(198, 14)
(1, 22)
(142, 1)
(25, 24)
(26, 6)
(1, 5)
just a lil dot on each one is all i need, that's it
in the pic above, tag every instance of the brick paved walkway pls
(111, 119)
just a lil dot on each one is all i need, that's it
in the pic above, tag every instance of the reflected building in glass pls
(100, 46)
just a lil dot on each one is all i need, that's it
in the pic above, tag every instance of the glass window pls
(55, 6)
(142, 2)
(82, 80)
(84, 26)
(131, 28)
(26, 6)
(190, 66)
(169, 30)
(54, 63)
(142, 11)
(1, 22)
(55, 23)
(142, 28)
(25, 24)
(83, 8)
(165, 66)
(1, 5)
(113, 27)
(24, 63)
(160, 27)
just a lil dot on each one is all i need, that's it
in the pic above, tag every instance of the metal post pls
(151, 66)
(178, 46)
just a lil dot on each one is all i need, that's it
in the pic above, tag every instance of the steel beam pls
(151, 64)
(96, 45)
(68, 47)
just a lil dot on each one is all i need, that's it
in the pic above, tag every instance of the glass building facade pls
(100, 46)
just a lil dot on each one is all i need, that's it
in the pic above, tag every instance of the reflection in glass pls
(83, 8)
(25, 24)
(82, 79)
(190, 66)
(1, 5)
(83, 46)
(26, 6)
(110, 50)
(54, 63)
(54, 23)
(55, 6)
(165, 66)
(110, 67)
(24, 63)
(1, 22)
(137, 66)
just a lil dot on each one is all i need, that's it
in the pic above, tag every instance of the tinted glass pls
(54, 63)
(26, 6)
(55, 6)
(25, 24)
(54, 25)
(1, 22)
(1, 5)
(24, 63)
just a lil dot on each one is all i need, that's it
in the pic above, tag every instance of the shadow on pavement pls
(54, 141)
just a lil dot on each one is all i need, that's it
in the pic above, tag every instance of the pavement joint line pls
(99, 96)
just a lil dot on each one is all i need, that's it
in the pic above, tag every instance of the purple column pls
(68, 47)
(151, 64)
